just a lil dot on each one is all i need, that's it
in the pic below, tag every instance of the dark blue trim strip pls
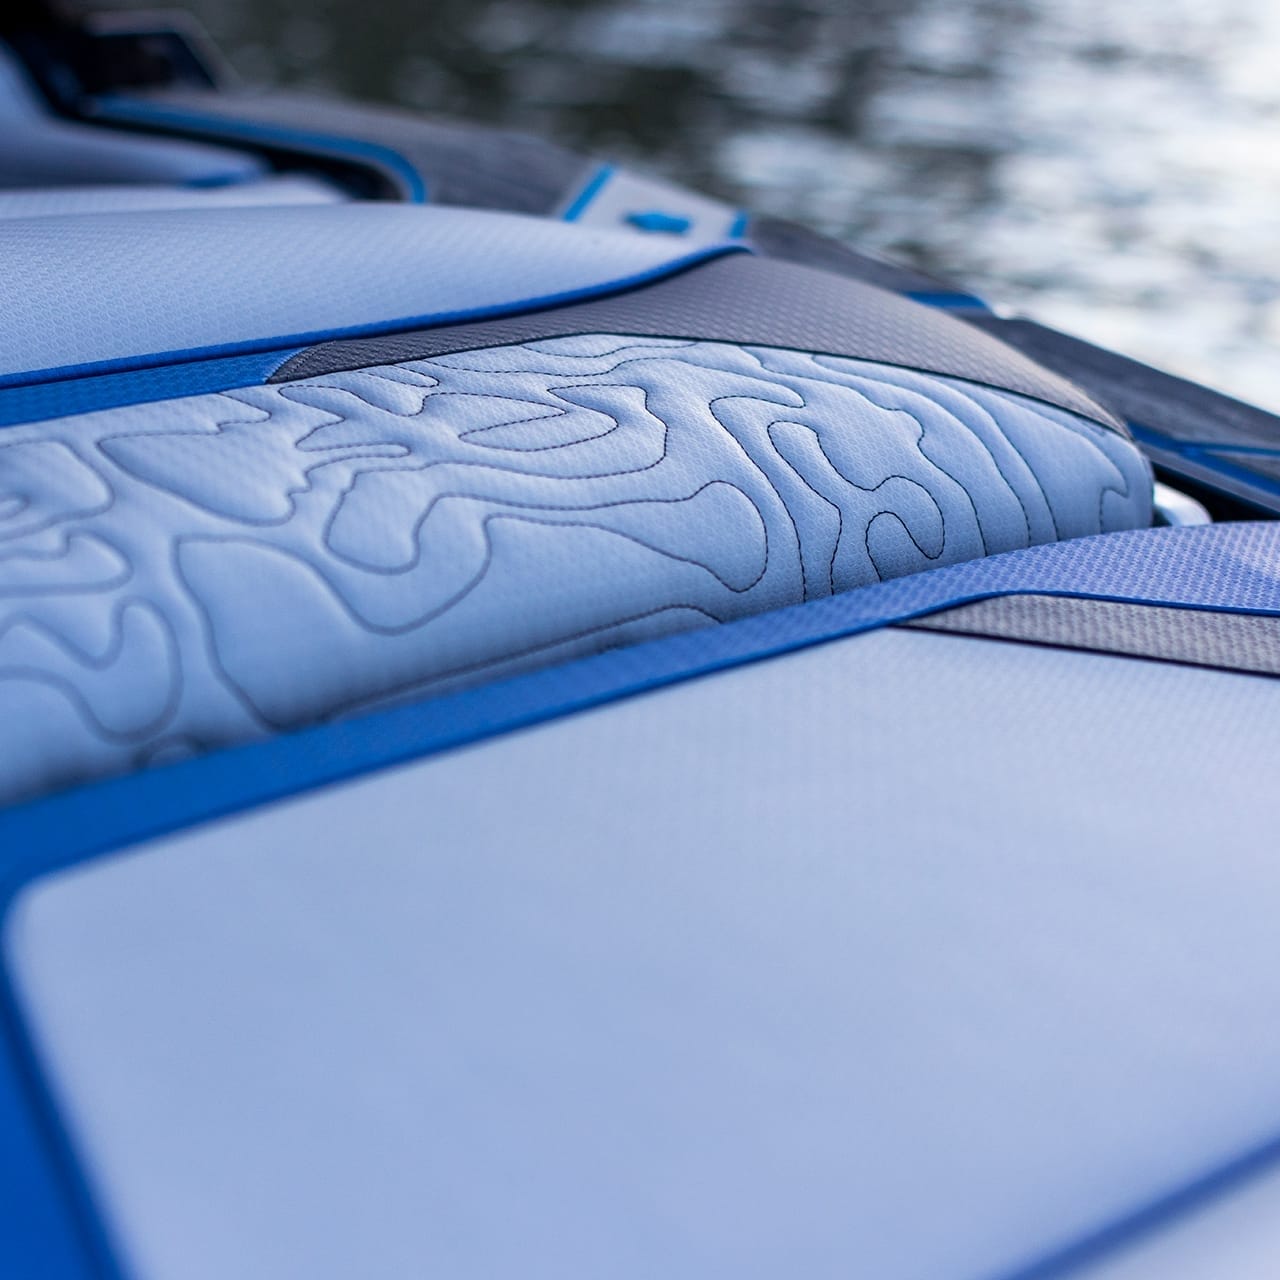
(947, 301)
(578, 205)
(129, 111)
(1212, 457)
(111, 390)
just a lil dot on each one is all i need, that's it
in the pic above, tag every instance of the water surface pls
(1113, 169)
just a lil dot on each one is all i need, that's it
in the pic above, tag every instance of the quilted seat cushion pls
(191, 573)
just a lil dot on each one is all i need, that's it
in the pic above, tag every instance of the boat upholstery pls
(45, 202)
(126, 288)
(557, 441)
(760, 969)
(37, 150)
(196, 572)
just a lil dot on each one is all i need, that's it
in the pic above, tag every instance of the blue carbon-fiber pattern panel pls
(194, 573)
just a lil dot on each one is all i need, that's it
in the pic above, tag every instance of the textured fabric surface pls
(910, 957)
(125, 286)
(1229, 641)
(46, 153)
(745, 300)
(197, 572)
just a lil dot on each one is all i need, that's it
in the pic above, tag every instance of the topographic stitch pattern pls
(188, 574)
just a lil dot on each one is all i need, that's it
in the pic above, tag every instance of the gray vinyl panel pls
(910, 956)
(1203, 637)
(740, 299)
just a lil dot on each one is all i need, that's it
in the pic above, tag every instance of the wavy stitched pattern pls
(187, 574)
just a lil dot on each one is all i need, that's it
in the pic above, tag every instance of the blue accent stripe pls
(949, 301)
(738, 228)
(130, 111)
(578, 205)
(1212, 456)
(660, 221)
(48, 1228)
(109, 391)
(1226, 567)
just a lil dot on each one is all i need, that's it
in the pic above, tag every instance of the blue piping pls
(1197, 568)
(109, 391)
(578, 206)
(284, 345)
(660, 221)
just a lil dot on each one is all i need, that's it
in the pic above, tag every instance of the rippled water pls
(1110, 168)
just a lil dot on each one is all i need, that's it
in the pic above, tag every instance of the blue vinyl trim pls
(1232, 568)
(1220, 446)
(130, 111)
(578, 205)
(1213, 567)
(48, 1228)
(949, 301)
(281, 347)
(1212, 456)
(111, 390)
(660, 221)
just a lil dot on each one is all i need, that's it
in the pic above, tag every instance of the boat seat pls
(300, 461)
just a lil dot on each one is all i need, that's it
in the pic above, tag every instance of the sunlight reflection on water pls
(1112, 169)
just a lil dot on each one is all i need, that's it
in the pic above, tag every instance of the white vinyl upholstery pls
(909, 956)
(193, 573)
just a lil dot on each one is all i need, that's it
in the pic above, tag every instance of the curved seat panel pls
(126, 289)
